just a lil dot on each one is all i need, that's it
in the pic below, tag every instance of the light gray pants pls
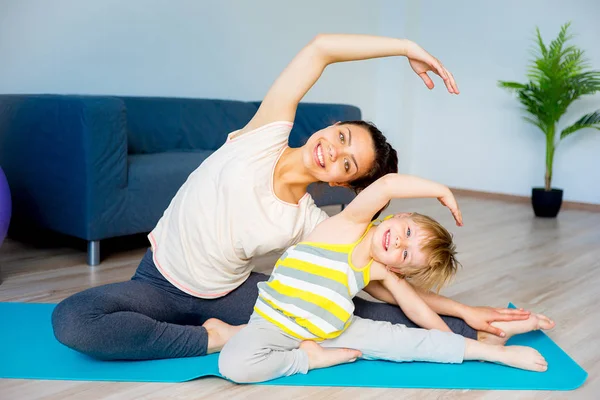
(262, 351)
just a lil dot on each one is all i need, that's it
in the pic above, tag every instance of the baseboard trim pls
(566, 205)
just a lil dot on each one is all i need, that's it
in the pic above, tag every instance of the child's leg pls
(382, 340)
(261, 351)
(385, 341)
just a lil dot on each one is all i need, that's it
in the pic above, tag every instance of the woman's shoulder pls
(282, 127)
(266, 141)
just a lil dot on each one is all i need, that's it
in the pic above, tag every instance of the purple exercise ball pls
(5, 206)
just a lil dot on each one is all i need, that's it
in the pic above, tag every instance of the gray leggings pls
(261, 351)
(148, 318)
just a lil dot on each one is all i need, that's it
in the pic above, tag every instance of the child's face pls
(397, 243)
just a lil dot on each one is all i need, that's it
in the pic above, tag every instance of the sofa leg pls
(342, 208)
(93, 254)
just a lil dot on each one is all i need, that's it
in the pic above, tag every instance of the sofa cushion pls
(153, 180)
(156, 124)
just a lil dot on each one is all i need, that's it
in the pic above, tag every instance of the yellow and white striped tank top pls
(309, 294)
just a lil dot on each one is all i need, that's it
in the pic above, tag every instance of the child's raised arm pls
(396, 186)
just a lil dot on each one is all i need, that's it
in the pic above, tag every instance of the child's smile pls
(386, 239)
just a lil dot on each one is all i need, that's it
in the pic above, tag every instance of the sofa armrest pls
(65, 158)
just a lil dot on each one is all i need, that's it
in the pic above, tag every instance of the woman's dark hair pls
(386, 159)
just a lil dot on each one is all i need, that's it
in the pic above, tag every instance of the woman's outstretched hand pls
(421, 62)
(481, 318)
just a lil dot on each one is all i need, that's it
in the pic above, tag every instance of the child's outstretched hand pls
(449, 201)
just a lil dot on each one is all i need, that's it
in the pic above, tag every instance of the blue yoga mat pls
(29, 350)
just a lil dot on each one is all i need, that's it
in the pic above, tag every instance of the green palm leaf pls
(591, 120)
(511, 85)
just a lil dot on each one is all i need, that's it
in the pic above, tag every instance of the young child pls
(308, 298)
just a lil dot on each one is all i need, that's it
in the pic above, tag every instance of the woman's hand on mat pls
(421, 62)
(480, 318)
(449, 201)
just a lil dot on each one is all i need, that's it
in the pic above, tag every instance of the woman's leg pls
(236, 307)
(511, 328)
(391, 313)
(144, 318)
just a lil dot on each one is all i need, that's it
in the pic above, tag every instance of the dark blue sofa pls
(97, 167)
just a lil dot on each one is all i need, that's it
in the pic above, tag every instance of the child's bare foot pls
(319, 357)
(522, 357)
(511, 328)
(218, 334)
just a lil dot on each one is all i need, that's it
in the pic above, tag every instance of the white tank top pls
(226, 213)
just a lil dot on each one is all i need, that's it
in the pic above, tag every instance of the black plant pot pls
(546, 203)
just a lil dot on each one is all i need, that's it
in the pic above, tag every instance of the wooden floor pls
(551, 266)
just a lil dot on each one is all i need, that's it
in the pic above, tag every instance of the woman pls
(200, 261)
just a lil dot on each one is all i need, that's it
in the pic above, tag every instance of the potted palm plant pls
(558, 75)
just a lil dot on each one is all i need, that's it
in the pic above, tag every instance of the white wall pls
(478, 140)
(218, 49)
(235, 49)
(394, 79)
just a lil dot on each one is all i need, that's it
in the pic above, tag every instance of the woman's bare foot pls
(319, 357)
(511, 328)
(522, 357)
(218, 334)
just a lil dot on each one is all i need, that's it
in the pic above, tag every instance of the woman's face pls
(339, 154)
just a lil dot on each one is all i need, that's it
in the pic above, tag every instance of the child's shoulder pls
(336, 230)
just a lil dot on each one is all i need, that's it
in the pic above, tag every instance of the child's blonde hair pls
(440, 252)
